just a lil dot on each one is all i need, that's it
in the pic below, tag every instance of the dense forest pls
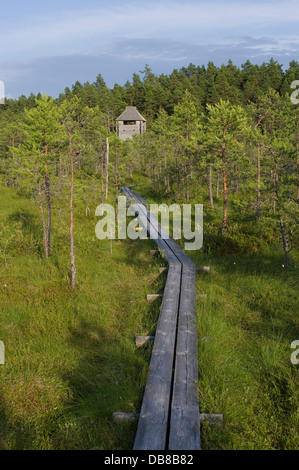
(233, 131)
(226, 137)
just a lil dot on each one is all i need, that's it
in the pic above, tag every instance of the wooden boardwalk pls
(169, 417)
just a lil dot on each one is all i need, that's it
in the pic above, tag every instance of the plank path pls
(169, 417)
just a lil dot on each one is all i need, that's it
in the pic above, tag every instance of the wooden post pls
(121, 418)
(211, 419)
(152, 297)
(107, 168)
(141, 340)
(203, 269)
(162, 270)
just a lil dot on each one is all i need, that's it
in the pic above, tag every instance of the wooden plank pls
(185, 424)
(185, 428)
(155, 232)
(184, 419)
(140, 198)
(171, 248)
(153, 421)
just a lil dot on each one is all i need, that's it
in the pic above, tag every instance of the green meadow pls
(70, 355)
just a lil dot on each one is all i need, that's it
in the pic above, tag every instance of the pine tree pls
(226, 126)
(74, 120)
(41, 129)
(187, 123)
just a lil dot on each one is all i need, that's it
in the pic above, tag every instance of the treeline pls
(214, 134)
(245, 156)
(151, 93)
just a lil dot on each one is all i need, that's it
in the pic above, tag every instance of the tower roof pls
(131, 114)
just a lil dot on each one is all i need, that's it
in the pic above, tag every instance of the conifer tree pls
(39, 150)
(188, 126)
(226, 126)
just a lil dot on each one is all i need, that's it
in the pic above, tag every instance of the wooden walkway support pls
(169, 417)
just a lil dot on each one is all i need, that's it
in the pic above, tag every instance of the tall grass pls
(71, 359)
(246, 325)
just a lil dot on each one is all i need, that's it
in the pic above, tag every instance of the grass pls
(247, 323)
(71, 359)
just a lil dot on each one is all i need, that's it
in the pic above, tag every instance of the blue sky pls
(46, 46)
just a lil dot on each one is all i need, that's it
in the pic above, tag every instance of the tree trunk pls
(258, 181)
(224, 222)
(72, 245)
(179, 180)
(48, 194)
(166, 181)
(102, 186)
(43, 220)
(285, 242)
(160, 177)
(79, 160)
(187, 165)
(187, 180)
(60, 174)
(211, 187)
(236, 178)
(217, 184)
(225, 191)
(47, 184)
(275, 182)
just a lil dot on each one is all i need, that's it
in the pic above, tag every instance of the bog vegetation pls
(225, 137)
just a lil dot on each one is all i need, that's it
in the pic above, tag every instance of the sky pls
(47, 46)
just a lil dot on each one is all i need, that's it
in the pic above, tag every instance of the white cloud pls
(79, 31)
(54, 50)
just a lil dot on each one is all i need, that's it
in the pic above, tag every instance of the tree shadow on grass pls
(30, 225)
(110, 377)
(267, 293)
(11, 436)
(112, 372)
